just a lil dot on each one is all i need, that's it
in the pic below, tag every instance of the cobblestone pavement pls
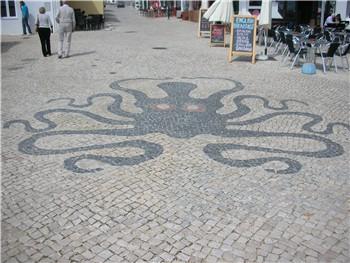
(126, 153)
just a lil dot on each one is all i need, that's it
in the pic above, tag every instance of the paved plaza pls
(146, 145)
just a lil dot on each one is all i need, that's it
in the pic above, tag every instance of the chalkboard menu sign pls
(203, 23)
(217, 35)
(243, 32)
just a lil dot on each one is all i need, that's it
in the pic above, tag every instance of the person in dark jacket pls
(25, 17)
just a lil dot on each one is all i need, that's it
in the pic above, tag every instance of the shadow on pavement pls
(14, 68)
(82, 53)
(6, 46)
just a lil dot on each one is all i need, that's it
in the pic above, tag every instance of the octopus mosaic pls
(180, 115)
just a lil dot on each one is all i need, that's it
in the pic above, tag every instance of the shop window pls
(254, 7)
(255, 3)
(8, 8)
(235, 7)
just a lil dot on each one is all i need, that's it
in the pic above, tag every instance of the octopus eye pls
(194, 108)
(162, 107)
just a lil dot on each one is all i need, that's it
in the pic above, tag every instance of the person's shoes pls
(59, 56)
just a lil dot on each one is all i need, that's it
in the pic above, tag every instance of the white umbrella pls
(265, 15)
(220, 11)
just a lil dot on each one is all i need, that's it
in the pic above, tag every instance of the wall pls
(94, 7)
(341, 7)
(13, 26)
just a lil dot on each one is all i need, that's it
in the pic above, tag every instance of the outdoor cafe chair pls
(329, 55)
(283, 44)
(278, 31)
(301, 50)
(316, 36)
(275, 37)
(328, 35)
(342, 52)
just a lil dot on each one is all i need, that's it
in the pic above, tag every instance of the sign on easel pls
(203, 23)
(218, 35)
(243, 37)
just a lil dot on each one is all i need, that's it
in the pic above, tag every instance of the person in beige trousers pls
(66, 20)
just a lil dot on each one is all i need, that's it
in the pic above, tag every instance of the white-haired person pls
(66, 20)
(44, 28)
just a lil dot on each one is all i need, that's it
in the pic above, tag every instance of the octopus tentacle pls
(316, 119)
(332, 149)
(215, 99)
(116, 97)
(237, 85)
(140, 96)
(40, 116)
(70, 102)
(28, 127)
(113, 108)
(243, 109)
(28, 145)
(214, 151)
(152, 150)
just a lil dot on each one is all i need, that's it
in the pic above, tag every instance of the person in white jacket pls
(44, 28)
(66, 20)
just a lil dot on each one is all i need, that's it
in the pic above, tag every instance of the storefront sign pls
(217, 35)
(203, 23)
(243, 33)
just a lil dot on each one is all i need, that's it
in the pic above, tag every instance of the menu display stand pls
(203, 24)
(218, 35)
(243, 37)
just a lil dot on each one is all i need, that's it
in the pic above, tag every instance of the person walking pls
(25, 17)
(330, 20)
(66, 20)
(44, 28)
(168, 10)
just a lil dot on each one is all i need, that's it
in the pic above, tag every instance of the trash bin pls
(309, 67)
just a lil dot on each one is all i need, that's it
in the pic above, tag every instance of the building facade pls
(11, 15)
(296, 12)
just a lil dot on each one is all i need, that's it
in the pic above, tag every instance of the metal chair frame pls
(329, 55)
(300, 50)
(342, 52)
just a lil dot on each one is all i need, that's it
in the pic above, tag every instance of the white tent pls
(265, 20)
(220, 11)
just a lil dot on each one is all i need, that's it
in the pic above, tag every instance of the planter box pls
(193, 15)
(184, 15)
